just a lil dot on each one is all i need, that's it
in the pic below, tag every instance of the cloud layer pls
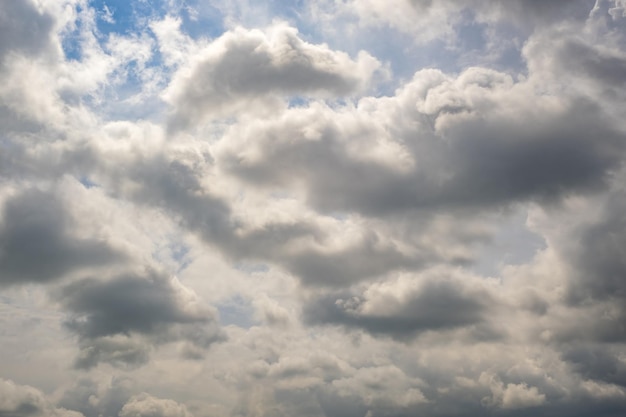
(347, 208)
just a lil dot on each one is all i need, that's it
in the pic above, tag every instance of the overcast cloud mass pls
(335, 208)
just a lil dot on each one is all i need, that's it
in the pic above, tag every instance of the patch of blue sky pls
(180, 253)
(470, 34)
(473, 43)
(201, 20)
(87, 182)
(174, 253)
(497, 46)
(71, 41)
(198, 19)
(126, 101)
(512, 244)
(293, 12)
(124, 17)
(127, 98)
(132, 18)
(298, 101)
(111, 16)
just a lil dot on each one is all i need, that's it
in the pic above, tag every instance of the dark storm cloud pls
(437, 305)
(36, 243)
(107, 314)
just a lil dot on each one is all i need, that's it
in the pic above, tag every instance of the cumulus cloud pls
(409, 306)
(467, 141)
(23, 400)
(36, 241)
(107, 314)
(30, 38)
(169, 166)
(245, 69)
(144, 405)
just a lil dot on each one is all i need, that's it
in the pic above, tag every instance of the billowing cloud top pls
(325, 209)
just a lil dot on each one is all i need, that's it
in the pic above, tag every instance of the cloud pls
(23, 400)
(512, 396)
(37, 244)
(24, 28)
(598, 258)
(144, 405)
(98, 398)
(429, 20)
(467, 141)
(177, 183)
(117, 320)
(447, 242)
(246, 69)
(408, 307)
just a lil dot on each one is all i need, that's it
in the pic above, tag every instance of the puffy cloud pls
(467, 141)
(246, 69)
(144, 405)
(354, 229)
(98, 398)
(409, 306)
(23, 400)
(512, 396)
(32, 37)
(37, 244)
(108, 314)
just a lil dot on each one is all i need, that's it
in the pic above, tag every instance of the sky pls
(333, 208)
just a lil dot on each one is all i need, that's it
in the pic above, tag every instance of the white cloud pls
(144, 405)
(249, 69)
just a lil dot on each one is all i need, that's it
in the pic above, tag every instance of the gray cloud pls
(436, 18)
(605, 67)
(599, 363)
(24, 28)
(25, 401)
(599, 258)
(177, 186)
(436, 304)
(373, 208)
(94, 399)
(474, 142)
(37, 244)
(108, 315)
